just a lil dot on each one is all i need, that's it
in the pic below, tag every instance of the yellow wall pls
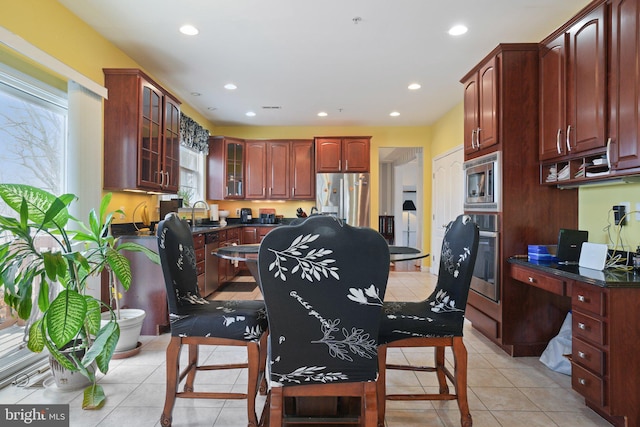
(49, 26)
(52, 28)
(381, 137)
(596, 216)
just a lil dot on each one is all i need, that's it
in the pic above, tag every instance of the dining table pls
(249, 254)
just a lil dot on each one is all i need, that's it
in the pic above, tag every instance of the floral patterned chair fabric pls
(196, 321)
(323, 283)
(437, 321)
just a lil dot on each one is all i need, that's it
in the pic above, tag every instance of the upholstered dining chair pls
(435, 322)
(196, 321)
(323, 283)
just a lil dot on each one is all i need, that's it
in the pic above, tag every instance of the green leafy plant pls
(72, 318)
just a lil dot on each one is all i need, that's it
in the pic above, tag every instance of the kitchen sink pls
(201, 228)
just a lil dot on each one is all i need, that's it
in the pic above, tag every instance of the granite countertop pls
(127, 229)
(609, 278)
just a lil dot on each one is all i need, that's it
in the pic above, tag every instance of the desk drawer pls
(587, 384)
(585, 297)
(587, 327)
(539, 280)
(588, 356)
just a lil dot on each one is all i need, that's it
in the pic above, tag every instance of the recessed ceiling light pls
(322, 114)
(394, 114)
(457, 30)
(414, 86)
(230, 86)
(250, 114)
(189, 30)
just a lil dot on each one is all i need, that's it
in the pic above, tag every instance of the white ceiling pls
(306, 56)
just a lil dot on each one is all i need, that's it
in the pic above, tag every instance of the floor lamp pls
(408, 206)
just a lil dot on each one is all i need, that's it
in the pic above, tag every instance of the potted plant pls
(71, 318)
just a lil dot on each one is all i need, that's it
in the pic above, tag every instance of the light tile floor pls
(503, 391)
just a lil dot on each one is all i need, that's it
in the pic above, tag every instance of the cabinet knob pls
(582, 355)
(531, 279)
(582, 326)
(581, 298)
(582, 381)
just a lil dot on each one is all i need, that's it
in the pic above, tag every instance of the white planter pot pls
(66, 380)
(130, 325)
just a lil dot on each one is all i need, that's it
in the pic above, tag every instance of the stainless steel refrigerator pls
(344, 195)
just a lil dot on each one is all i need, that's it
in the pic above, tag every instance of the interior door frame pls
(447, 197)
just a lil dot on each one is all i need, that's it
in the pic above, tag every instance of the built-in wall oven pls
(485, 279)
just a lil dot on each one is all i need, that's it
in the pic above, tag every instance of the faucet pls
(193, 211)
(313, 210)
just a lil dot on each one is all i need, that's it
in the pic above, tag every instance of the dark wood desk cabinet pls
(605, 339)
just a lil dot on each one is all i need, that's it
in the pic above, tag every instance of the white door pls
(447, 198)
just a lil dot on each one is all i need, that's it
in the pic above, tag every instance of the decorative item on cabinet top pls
(192, 135)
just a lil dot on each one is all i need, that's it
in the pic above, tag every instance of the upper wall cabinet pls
(500, 99)
(573, 87)
(481, 107)
(141, 134)
(624, 87)
(302, 170)
(260, 169)
(225, 168)
(267, 168)
(342, 154)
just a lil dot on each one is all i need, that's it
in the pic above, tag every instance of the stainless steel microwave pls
(482, 182)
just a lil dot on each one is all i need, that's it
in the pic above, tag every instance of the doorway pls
(401, 172)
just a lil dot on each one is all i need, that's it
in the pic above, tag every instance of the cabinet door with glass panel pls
(225, 168)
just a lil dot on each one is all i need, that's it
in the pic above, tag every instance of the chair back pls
(178, 260)
(457, 261)
(323, 284)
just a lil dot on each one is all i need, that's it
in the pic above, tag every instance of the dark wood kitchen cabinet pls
(529, 213)
(342, 154)
(267, 169)
(573, 86)
(303, 170)
(481, 107)
(624, 86)
(141, 134)
(225, 168)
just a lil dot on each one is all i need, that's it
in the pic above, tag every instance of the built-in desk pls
(605, 306)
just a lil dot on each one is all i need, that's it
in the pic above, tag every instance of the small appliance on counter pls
(267, 216)
(246, 215)
(167, 206)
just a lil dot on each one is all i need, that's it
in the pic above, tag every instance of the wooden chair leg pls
(440, 369)
(381, 384)
(460, 375)
(263, 363)
(253, 356)
(192, 367)
(276, 408)
(369, 404)
(173, 373)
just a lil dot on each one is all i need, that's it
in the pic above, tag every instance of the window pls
(33, 139)
(192, 166)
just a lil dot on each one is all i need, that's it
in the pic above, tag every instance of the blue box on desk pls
(542, 252)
